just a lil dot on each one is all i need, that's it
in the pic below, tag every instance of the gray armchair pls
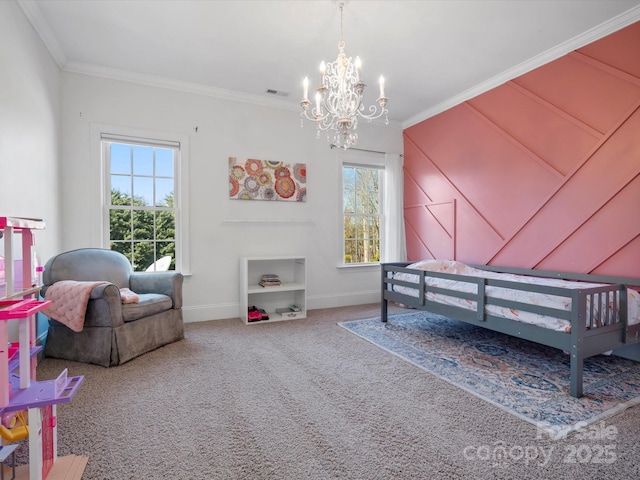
(113, 332)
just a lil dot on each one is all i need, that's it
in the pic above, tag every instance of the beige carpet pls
(308, 400)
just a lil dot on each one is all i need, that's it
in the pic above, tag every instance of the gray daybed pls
(596, 317)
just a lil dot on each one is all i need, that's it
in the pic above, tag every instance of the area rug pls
(524, 378)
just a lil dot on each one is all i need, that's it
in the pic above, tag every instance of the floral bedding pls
(542, 299)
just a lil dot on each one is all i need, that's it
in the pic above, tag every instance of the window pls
(143, 206)
(362, 213)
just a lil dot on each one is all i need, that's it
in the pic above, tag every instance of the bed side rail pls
(611, 300)
(421, 286)
(602, 305)
(596, 307)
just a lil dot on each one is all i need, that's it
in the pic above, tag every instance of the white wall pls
(29, 127)
(222, 230)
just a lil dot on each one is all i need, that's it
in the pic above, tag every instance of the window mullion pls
(143, 222)
(361, 242)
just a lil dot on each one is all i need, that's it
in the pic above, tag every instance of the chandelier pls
(338, 100)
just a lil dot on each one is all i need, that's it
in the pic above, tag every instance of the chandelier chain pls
(341, 19)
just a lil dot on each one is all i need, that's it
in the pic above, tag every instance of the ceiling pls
(433, 53)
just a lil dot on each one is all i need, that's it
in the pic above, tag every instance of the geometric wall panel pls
(608, 52)
(587, 91)
(548, 133)
(544, 170)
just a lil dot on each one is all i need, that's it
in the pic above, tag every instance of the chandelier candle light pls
(338, 99)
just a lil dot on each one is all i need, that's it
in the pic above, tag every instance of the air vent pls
(271, 91)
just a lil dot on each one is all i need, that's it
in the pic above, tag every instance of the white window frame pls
(373, 161)
(181, 178)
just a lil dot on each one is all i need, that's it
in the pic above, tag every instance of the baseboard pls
(343, 300)
(203, 313)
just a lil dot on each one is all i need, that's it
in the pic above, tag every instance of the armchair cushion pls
(149, 304)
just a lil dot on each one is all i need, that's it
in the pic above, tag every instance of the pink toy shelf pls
(17, 273)
(17, 309)
(18, 360)
(21, 393)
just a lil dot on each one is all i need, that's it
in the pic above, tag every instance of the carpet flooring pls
(526, 379)
(308, 400)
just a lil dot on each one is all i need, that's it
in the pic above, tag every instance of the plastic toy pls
(14, 433)
(254, 315)
(18, 361)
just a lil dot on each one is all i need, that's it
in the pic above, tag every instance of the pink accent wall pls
(540, 172)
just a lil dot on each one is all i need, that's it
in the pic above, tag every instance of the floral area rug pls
(524, 378)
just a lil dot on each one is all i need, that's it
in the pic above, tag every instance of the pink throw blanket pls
(70, 299)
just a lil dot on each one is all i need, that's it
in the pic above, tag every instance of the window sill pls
(268, 221)
(358, 265)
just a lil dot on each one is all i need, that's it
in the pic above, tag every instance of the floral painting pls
(253, 179)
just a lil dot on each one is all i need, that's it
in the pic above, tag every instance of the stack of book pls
(270, 280)
(289, 309)
(292, 311)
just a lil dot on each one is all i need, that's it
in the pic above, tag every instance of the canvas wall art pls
(252, 179)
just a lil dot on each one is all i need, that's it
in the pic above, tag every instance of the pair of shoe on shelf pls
(256, 314)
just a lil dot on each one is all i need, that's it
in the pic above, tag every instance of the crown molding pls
(39, 24)
(173, 84)
(190, 87)
(596, 33)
